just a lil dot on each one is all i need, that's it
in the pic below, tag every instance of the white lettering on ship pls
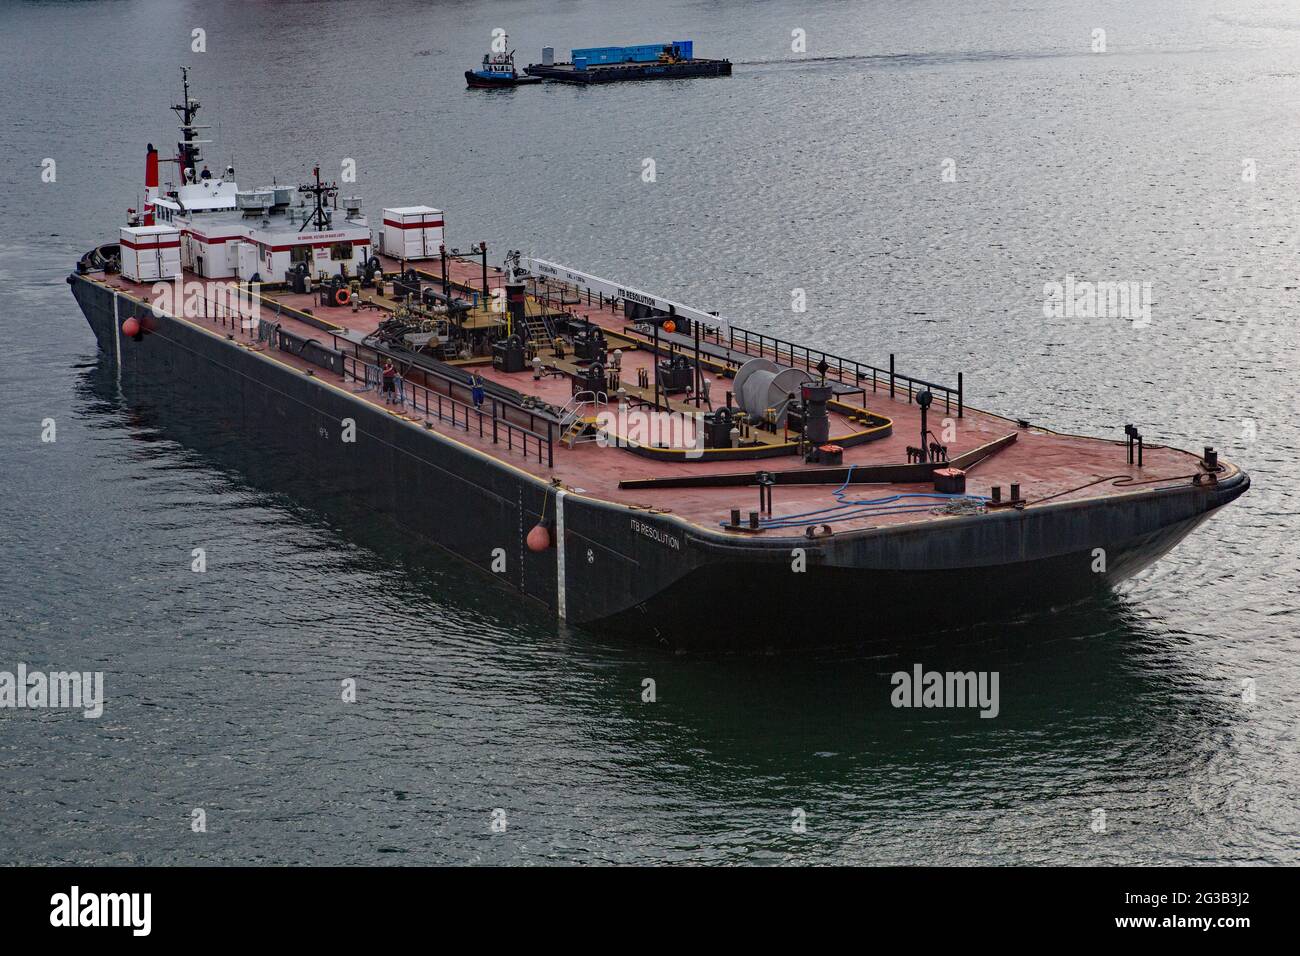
(650, 531)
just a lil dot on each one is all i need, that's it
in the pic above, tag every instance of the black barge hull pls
(616, 73)
(624, 569)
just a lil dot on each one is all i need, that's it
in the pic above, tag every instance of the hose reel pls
(762, 384)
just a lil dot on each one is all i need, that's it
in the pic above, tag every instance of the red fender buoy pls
(670, 326)
(131, 327)
(539, 538)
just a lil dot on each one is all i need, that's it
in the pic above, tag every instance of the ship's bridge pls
(206, 195)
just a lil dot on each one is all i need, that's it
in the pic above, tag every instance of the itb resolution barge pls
(619, 458)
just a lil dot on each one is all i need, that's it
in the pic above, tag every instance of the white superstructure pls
(216, 230)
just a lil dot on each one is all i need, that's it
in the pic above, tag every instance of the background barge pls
(654, 61)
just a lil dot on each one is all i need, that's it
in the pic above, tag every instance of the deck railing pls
(219, 312)
(781, 350)
(843, 370)
(471, 419)
(444, 407)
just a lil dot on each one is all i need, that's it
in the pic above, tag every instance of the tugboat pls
(498, 71)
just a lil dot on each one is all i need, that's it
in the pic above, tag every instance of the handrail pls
(458, 414)
(569, 415)
(434, 404)
(811, 357)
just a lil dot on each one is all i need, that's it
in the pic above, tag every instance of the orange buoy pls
(341, 295)
(670, 326)
(131, 327)
(539, 538)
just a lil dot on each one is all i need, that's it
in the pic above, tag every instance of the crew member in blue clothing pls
(476, 390)
(390, 382)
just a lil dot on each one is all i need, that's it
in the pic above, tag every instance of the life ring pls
(341, 295)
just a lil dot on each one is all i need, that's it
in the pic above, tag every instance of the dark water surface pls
(819, 171)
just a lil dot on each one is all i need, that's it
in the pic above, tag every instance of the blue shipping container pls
(644, 53)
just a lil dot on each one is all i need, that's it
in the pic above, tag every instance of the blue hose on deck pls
(849, 509)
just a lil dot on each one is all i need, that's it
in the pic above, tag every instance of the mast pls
(187, 150)
(322, 192)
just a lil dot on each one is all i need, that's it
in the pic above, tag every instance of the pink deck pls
(1043, 463)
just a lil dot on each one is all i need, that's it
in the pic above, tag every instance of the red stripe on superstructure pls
(156, 245)
(315, 245)
(413, 225)
(216, 240)
(319, 245)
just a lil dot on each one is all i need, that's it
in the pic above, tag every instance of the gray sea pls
(921, 170)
